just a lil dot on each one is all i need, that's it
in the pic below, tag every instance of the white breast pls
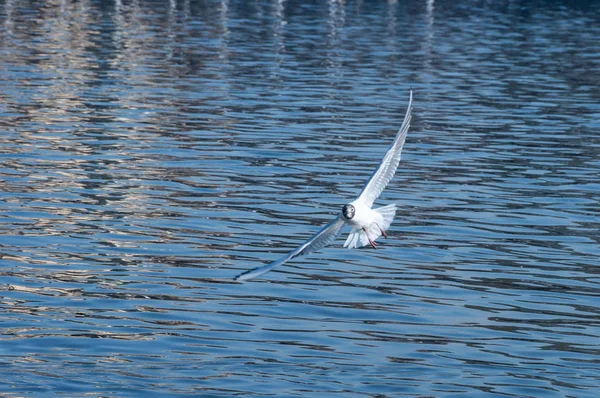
(364, 216)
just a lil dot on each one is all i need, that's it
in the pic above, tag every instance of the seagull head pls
(348, 212)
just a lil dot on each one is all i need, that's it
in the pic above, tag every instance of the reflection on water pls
(150, 151)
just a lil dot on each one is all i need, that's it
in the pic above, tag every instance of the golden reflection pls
(428, 43)
(85, 133)
(27, 259)
(336, 22)
(279, 37)
(44, 291)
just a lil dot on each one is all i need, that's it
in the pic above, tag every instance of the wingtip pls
(243, 276)
(256, 272)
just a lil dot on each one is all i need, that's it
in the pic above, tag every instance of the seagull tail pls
(360, 238)
(387, 213)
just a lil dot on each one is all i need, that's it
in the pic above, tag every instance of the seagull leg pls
(370, 241)
(382, 231)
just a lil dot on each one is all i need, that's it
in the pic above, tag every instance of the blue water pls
(151, 150)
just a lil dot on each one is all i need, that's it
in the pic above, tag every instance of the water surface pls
(150, 151)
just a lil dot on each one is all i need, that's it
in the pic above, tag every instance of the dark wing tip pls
(240, 278)
(250, 274)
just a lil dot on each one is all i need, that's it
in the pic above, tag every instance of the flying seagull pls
(367, 224)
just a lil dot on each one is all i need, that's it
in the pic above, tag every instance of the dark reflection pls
(151, 150)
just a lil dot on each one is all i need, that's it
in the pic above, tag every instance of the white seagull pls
(367, 224)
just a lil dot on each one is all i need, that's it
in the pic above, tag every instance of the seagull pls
(367, 223)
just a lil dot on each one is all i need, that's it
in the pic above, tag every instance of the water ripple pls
(151, 151)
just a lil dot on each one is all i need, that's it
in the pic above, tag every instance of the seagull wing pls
(384, 173)
(324, 237)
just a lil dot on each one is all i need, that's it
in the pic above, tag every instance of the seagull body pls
(367, 224)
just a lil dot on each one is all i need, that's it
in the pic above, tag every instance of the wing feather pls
(387, 168)
(322, 238)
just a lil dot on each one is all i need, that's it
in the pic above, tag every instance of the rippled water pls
(150, 151)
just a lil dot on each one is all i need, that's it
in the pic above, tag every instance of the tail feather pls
(388, 213)
(360, 238)
(356, 238)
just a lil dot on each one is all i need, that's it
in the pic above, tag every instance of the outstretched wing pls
(384, 173)
(324, 237)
